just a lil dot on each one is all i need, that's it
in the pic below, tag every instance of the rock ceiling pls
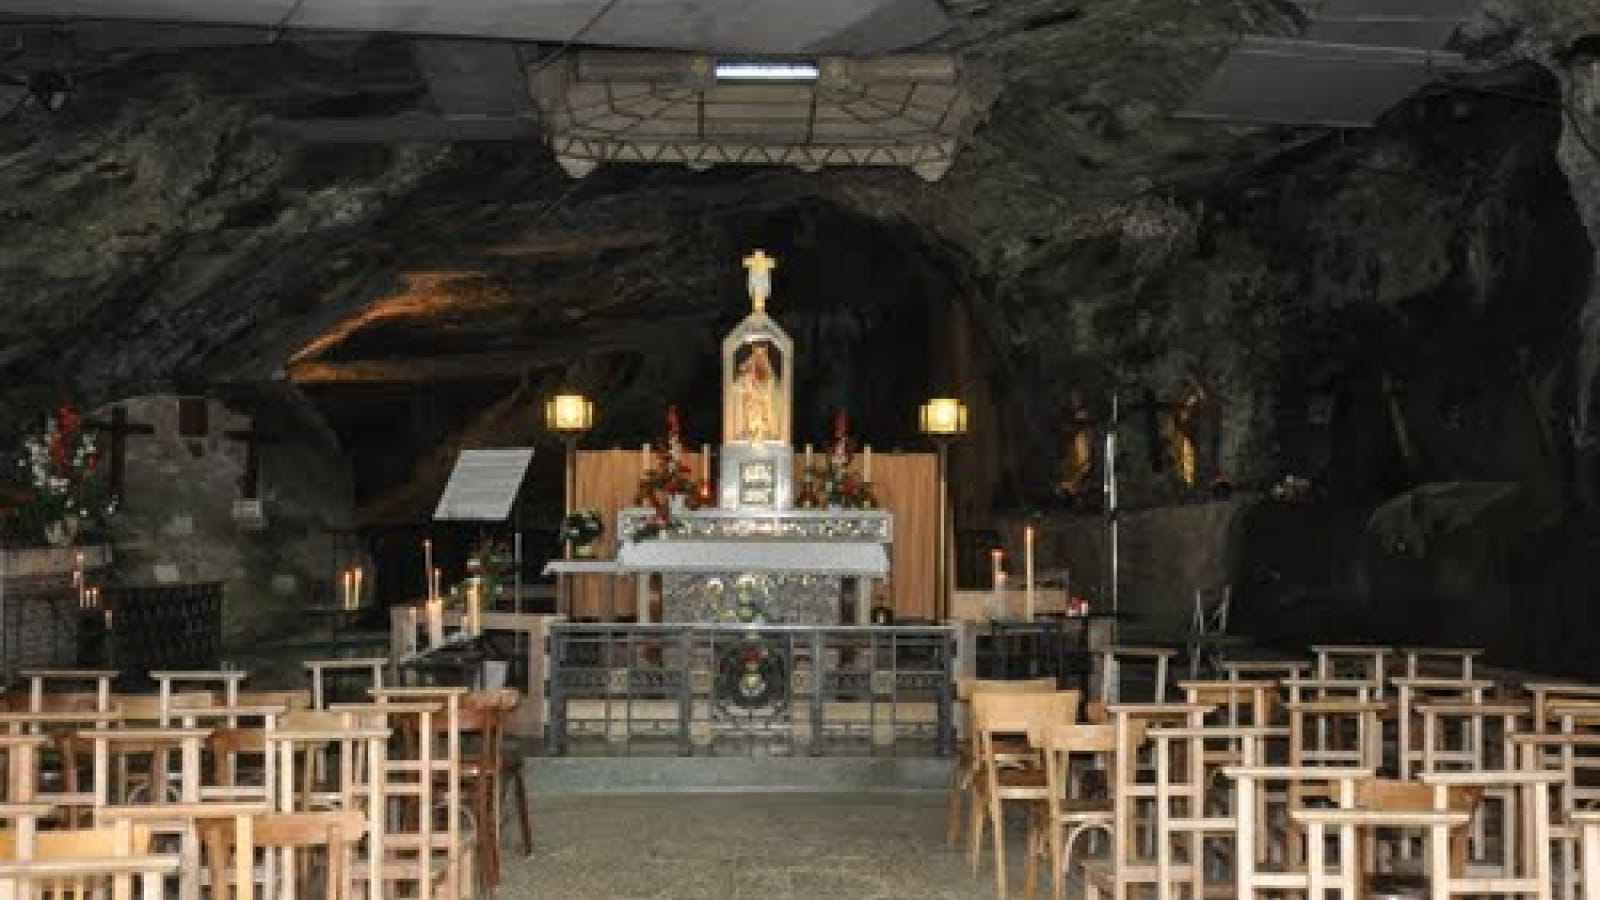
(162, 230)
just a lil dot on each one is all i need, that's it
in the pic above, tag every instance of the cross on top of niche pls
(760, 266)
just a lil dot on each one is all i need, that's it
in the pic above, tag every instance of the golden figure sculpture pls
(1077, 460)
(1181, 426)
(757, 385)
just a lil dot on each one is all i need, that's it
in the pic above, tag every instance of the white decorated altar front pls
(792, 567)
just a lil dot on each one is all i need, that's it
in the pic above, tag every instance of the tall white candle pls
(348, 581)
(644, 458)
(436, 596)
(435, 623)
(1027, 570)
(997, 580)
(474, 610)
(866, 463)
(355, 600)
(807, 466)
(705, 463)
(427, 568)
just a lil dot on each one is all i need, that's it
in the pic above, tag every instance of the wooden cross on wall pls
(250, 481)
(119, 429)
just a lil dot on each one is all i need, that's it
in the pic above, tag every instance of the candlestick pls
(997, 582)
(355, 600)
(705, 463)
(435, 623)
(436, 596)
(1027, 570)
(644, 458)
(474, 609)
(348, 582)
(866, 463)
(807, 466)
(427, 568)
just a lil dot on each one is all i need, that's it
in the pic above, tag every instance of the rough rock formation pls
(1374, 310)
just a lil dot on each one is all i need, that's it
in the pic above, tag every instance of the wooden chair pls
(1395, 794)
(1524, 868)
(79, 864)
(1190, 813)
(230, 851)
(322, 671)
(1112, 660)
(1449, 662)
(486, 771)
(434, 852)
(1410, 692)
(1135, 795)
(1254, 871)
(1072, 809)
(965, 767)
(1588, 824)
(997, 717)
(1576, 756)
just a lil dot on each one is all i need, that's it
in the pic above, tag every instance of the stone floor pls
(796, 846)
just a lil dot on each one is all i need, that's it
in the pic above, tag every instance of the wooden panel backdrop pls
(907, 486)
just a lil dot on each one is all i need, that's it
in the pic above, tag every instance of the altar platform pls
(750, 690)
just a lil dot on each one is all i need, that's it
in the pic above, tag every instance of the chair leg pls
(997, 815)
(1036, 848)
(524, 822)
(957, 788)
(975, 821)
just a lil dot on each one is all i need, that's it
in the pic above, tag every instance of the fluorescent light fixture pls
(766, 70)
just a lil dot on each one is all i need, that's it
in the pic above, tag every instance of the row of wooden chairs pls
(420, 769)
(1154, 772)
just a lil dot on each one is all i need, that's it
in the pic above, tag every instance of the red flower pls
(68, 417)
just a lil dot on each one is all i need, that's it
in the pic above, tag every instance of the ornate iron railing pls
(751, 689)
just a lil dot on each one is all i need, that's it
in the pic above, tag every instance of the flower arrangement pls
(492, 566)
(581, 528)
(835, 482)
(59, 487)
(669, 475)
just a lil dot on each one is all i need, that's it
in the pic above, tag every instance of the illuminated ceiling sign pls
(910, 110)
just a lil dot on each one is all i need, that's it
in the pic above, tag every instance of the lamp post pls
(569, 415)
(943, 419)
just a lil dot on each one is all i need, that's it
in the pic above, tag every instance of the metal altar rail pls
(710, 689)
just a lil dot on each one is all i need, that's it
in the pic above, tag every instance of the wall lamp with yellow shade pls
(943, 419)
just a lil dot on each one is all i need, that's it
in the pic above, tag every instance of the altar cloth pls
(804, 557)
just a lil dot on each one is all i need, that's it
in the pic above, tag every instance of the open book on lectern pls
(484, 485)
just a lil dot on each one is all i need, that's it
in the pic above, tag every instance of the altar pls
(795, 567)
(782, 538)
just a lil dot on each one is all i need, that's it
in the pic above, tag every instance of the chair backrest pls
(55, 701)
(289, 700)
(337, 831)
(309, 829)
(1002, 712)
(1399, 794)
(148, 706)
(79, 843)
(966, 687)
(115, 842)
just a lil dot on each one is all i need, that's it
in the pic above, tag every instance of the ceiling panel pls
(751, 26)
(1274, 80)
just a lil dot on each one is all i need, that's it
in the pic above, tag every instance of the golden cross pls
(760, 266)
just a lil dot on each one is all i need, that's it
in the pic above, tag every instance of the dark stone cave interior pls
(1401, 315)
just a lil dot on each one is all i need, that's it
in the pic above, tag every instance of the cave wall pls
(1375, 311)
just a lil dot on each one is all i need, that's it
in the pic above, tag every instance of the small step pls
(557, 775)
